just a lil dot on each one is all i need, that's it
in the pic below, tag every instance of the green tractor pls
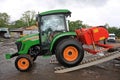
(54, 38)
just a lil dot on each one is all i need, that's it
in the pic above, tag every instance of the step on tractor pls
(54, 38)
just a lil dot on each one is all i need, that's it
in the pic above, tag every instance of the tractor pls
(54, 38)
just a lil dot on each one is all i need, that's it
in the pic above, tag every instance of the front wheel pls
(23, 63)
(69, 52)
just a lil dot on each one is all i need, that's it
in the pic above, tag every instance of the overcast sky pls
(91, 12)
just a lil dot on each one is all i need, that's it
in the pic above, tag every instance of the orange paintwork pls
(70, 53)
(23, 63)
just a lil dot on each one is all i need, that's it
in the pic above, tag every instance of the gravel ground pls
(43, 70)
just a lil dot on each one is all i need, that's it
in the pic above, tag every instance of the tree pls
(76, 24)
(107, 25)
(114, 30)
(28, 18)
(4, 19)
(19, 23)
(118, 33)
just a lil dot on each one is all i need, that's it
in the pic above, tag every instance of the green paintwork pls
(64, 11)
(59, 36)
(8, 56)
(27, 36)
(27, 42)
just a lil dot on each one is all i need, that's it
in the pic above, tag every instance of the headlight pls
(19, 44)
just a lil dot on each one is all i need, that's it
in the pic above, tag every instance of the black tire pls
(23, 61)
(63, 46)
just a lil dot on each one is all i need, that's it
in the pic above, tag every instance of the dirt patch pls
(118, 40)
(42, 70)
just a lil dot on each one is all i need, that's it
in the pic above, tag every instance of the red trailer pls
(93, 36)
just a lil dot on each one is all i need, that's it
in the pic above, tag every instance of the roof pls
(3, 29)
(64, 11)
(17, 29)
(32, 28)
(24, 28)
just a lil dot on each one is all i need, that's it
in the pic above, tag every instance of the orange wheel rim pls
(23, 63)
(70, 53)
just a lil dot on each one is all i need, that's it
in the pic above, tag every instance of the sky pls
(91, 12)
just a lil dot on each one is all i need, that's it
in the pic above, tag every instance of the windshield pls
(111, 35)
(53, 22)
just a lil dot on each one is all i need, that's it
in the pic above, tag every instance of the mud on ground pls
(43, 70)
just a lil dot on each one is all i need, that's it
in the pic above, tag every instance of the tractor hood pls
(29, 37)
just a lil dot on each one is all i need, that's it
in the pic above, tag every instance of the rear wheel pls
(69, 52)
(23, 63)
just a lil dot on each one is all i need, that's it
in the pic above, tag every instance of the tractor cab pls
(50, 24)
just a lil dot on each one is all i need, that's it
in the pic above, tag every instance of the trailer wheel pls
(23, 63)
(69, 52)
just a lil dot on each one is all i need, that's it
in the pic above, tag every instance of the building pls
(23, 31)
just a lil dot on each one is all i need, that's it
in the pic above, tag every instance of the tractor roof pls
(63, 11)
